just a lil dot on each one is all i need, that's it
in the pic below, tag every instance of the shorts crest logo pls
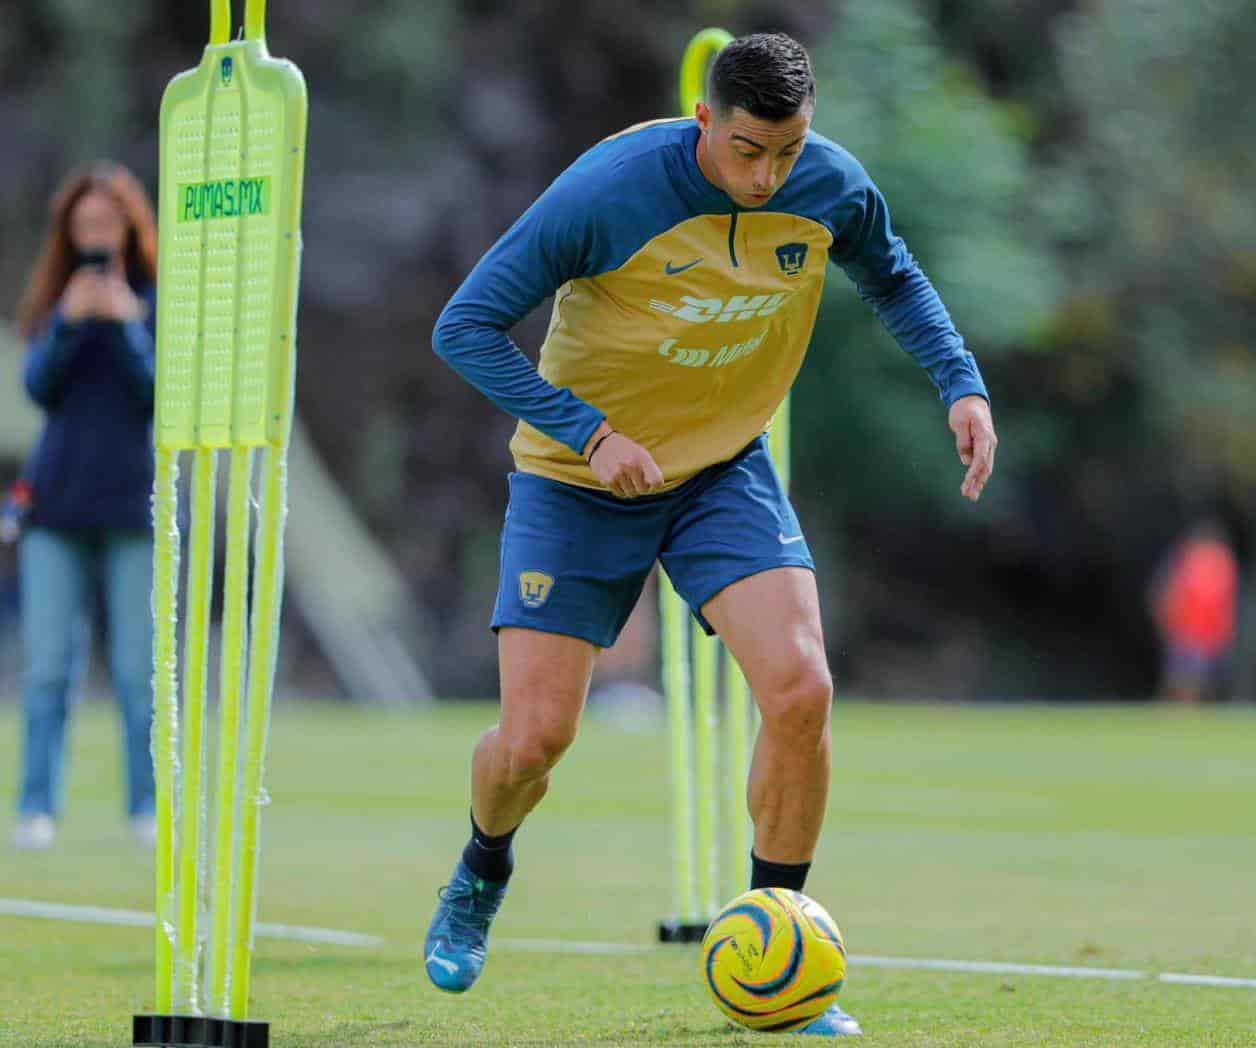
(534, 588)
(791, 257)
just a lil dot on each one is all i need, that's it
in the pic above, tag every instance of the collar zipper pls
(732, 234)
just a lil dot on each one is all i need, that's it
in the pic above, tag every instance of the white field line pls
(1207, 980)
(140, 919)
(995, 967)
(905, 963)
(567, 946)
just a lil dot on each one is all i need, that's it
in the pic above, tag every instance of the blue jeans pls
(59, 571)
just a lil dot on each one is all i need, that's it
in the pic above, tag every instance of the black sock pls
(489, 858)
(764, 874)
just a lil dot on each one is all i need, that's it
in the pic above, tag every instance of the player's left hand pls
(975, 441)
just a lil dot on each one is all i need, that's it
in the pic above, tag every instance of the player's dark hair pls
(766, 74)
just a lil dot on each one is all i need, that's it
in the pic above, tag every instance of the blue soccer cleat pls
(457, 941)
(833, 1023)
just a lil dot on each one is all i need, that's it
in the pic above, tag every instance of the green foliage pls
(1168, 162)
(88, 83)
(400, 53)
(954, 165)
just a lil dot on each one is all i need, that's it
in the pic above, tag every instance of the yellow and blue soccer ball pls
(773, 960)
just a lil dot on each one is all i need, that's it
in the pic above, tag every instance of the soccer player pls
(686, 258)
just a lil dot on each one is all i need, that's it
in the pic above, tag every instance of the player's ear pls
(702, 112)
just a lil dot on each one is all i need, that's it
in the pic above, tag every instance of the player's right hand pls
(624, 466)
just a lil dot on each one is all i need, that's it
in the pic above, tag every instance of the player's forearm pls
(490, 361)
(914, 314)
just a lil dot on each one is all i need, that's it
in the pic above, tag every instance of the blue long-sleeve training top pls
(679, 316)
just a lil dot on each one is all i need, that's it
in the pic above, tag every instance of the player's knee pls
(533, 752)
(799, 706)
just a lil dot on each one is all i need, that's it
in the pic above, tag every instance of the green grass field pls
(1107, 838)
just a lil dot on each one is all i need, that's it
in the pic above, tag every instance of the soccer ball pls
(773, 960)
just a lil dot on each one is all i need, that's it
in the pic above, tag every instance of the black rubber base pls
(197, 1031)
(678, 931)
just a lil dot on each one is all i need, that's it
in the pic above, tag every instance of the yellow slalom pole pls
(263, 645)
(219, 22)
(778, 442)
(672, 616)
(192, 793)
(705, 45)
(690, 660)
(231, 687)
(705, 690)
(736, 775)
(780, 446)
(255, 20)
(165, 708)
(702, 49)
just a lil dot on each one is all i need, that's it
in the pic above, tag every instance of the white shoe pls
(34, 832)
(144, 830)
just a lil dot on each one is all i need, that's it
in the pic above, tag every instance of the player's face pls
(749, 157)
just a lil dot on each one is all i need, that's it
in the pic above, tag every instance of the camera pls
(97, 260)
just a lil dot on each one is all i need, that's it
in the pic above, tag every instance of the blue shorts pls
(573, 559)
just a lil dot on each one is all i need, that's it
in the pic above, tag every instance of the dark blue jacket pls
(93, 466)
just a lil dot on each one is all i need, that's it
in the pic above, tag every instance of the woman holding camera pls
(88, 314)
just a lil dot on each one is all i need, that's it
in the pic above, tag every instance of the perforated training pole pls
(232, 166)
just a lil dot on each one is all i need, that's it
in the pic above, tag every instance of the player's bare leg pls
(771, 623)
(545, 679)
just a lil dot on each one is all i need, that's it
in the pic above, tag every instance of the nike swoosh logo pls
(435, 958)
(671, 270)
(784, 541)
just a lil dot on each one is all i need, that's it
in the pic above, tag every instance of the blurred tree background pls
(1074, 175)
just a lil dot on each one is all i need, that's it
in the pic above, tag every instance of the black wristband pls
(593, 451)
